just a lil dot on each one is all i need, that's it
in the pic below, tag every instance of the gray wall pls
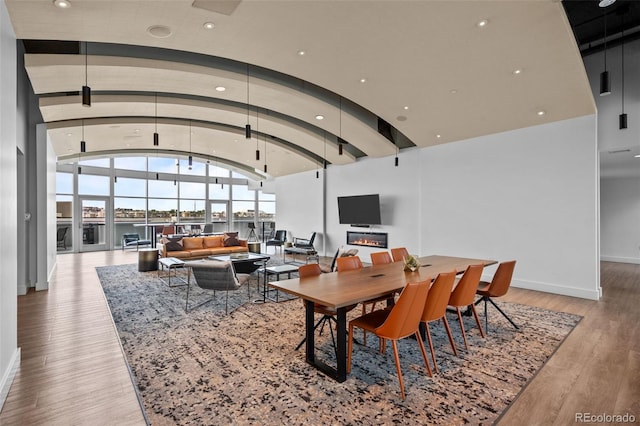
(9, 352)
(620, 186)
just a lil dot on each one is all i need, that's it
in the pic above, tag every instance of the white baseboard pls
(8, 376)
(592, 294)
(635, 260)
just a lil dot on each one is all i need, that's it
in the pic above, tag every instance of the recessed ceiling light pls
(517, 71)
(541, 113)
(136, 130)
(71, 150)
(69, 134)
(301, 52)
(363, 80)
(319, 117)
(220, 88)
(159, 31)
(62, 4)
(209, 25)
(483, 23)
(637, 156)
(605, 3)
(438, 136)
(405, 107)
(453, 91)
(401, 118)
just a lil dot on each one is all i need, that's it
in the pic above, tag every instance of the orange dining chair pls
(464, 294)
(348, 263)
(399, 253)
(381, 257)
(498, 287)
(397, 323)
(378, 258)
(435, 308)
(328, 314)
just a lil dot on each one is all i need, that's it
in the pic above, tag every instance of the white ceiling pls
(456, 78)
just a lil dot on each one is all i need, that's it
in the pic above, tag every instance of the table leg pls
(341, 362)
(309, 332)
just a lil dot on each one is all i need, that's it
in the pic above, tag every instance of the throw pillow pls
(172, 243)
(231, 239)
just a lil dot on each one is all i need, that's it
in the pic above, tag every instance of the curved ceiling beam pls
(63, 108)
(66, 73)
(126, 134)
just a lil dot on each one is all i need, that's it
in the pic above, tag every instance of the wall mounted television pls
(359, 210)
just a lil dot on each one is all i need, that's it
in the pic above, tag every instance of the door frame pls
(108, 224)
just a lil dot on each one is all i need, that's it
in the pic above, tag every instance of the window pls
(130, 163)
(162, 165)
(126, 187)
(93, 185)
(100, 162)
(218, 192)
(192, 190)
(162, 189)
(191, 211)
(162, 211)
(64, 183)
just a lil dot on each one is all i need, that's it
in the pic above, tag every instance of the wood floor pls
(73, 370)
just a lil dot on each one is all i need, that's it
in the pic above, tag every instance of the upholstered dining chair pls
(328, 314)
(464, 294)
(216, 276)
(381, 257)
(348, 263)
(397, 323)
(168, 230)
(378, 258)
(435, 309)
(341, 252)
(498, 287)
(399, 253)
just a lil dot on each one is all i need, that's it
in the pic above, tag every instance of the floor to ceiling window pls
(141, 192)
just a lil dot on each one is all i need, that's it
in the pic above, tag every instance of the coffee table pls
(171, 263)
(244, 263)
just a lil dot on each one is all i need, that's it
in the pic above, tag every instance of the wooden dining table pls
(338, 290)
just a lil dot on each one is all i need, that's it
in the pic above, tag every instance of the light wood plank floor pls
(73, 370)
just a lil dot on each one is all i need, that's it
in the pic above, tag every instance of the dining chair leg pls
(475, 315)
(449, 335)
(394, 343)
(464, 337)
(424, 353)
(433, 352)
(349, 348)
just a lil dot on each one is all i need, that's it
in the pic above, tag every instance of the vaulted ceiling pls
(384, 75)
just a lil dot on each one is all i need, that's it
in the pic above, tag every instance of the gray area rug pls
(208, 368)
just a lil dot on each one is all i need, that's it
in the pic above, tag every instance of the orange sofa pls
(200, 247)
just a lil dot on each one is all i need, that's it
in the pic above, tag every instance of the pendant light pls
(156, 136)
(190, 155)
(115, 179)
(622, 119)
(86, 90)
(257, 133)
(340, 130)
(265, 153)
(247, 128)
(324, 155)
(83, 144)
(397, 161)
(605, 84)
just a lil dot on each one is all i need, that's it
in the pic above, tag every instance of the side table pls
(171, 263)
(147, 260)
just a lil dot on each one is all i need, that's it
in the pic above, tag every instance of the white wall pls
(399, 189)
(9, 351)
(620, 219)
(300, 208)
(529, 195)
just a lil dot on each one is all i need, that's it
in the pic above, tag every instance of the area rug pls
(204, 367)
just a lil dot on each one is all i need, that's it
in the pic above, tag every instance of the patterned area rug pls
(205, 367)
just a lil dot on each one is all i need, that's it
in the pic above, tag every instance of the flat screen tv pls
(359, 210)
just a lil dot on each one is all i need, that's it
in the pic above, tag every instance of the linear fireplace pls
(367, 239)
